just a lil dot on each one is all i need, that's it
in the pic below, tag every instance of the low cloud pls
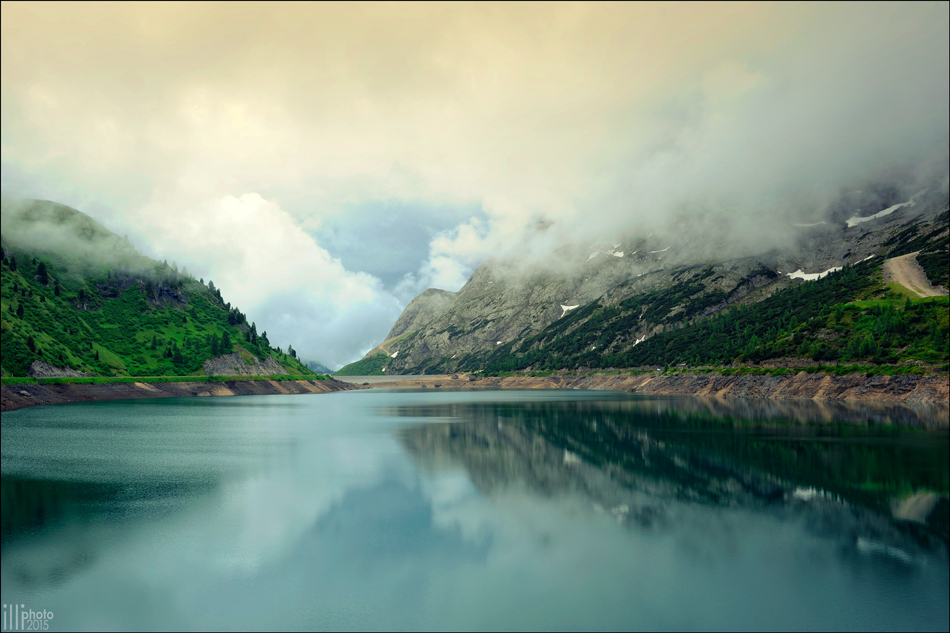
(559, 123)
(266, 264)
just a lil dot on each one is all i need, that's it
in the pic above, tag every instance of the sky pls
(324, 163)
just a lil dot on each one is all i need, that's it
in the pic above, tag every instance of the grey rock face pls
(507, 300)
(422, 310)
(39, 369)
(234, 365)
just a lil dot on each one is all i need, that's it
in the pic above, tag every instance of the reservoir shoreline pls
(903, 389)
(18, 396)
(910, 390)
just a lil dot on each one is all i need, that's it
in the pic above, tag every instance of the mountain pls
(318, 367)
(420, 312)
(78, 299)
(833, 295)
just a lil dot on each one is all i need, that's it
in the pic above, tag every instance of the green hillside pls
(77, 296)
(850, 316)
(372, 366)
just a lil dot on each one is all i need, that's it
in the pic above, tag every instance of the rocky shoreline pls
(19, 396)
(906, 389)
(930, 392)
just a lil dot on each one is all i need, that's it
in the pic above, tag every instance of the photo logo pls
(16, 617)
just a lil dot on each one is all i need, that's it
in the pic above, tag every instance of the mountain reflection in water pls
(635, 459)
(475, 510)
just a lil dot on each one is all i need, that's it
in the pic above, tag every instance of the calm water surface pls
(472, 510)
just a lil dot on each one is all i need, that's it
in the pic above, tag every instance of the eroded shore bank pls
(19, 396)
(906, 389)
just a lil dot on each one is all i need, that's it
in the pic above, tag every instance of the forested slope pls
(77, 296)
(848, 316)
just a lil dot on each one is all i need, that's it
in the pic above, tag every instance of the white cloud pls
(266, 264)
(562, 122)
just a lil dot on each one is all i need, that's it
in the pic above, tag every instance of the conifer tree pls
(13, 263)
(225, 343)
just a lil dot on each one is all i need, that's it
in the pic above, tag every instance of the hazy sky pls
(323, 163)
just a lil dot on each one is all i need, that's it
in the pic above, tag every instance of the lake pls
(387, 509)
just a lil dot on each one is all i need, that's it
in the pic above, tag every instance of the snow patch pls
(611, 252)
(855, 220)
(497, 342)
(567, 309)
(663, 251)
(639, 340)
(393, 355)
(801, 274)
(805, 226)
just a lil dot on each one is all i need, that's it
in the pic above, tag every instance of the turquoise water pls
(472, 510)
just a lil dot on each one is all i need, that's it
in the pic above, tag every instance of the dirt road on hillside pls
(907, 272)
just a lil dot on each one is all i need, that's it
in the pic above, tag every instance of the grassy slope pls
(822, 320)
(847, 317)
(120, 315)
(372, 366)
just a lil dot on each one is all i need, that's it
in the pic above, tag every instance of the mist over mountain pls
(78, 300)
(333, 162)
(593, 305)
